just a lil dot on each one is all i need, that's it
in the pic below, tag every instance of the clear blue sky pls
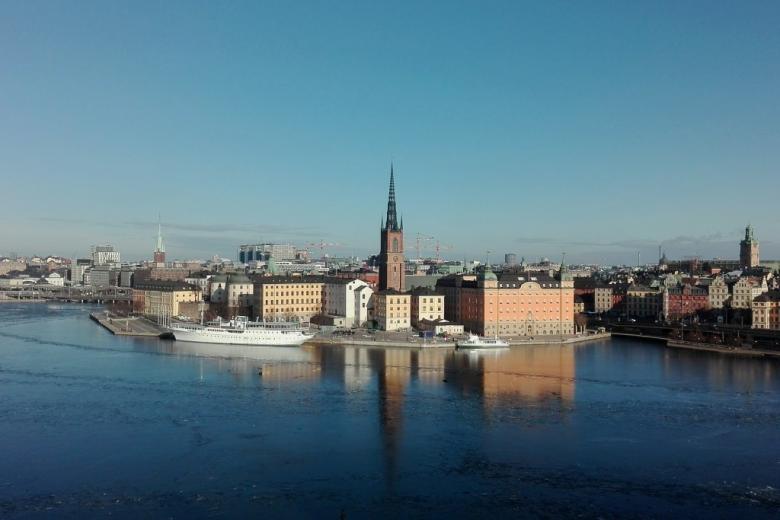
(597, 128)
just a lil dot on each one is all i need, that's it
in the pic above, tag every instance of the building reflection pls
(526, 374)
(722, 372)
(518, 376)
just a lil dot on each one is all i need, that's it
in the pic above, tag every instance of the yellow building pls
(426, 305)
(288, 297)
(392, 310)
(161, 299)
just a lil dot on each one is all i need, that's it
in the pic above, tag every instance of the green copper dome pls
(487, 274)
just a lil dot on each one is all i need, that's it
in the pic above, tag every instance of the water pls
(93, 425)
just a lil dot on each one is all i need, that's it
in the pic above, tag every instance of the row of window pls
(291, 301)
(294, 293)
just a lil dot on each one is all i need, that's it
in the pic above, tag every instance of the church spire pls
(392, 216)
(160, 245)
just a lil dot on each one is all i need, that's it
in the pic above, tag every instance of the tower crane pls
(442, 247)
(322, 245)
(419, 240)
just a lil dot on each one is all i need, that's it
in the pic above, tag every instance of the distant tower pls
(391, 254)
(159, 252)
(748, 249)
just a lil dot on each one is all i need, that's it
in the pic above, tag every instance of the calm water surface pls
(93, 425)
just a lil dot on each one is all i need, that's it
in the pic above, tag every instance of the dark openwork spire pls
(392, 216)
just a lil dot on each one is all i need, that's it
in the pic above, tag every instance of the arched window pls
(395, 245)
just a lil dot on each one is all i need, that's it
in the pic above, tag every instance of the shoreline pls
(720, 349)
(142, 328)
(451, 344)
(702, 347)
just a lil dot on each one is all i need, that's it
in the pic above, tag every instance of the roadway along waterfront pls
(95, 424)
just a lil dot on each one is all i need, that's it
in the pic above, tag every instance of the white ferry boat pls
(241, 331)
(477, 342)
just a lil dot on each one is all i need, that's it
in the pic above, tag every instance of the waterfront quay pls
(127, 325)
(613, 428)
(140, 326)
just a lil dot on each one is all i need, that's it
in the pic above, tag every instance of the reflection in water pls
(522, 375)
(541, 377)
(722, 372)
(532, 373)
(322, 429)
(274, 364)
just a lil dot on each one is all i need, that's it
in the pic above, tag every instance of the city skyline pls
(677, 248)
(528, 129)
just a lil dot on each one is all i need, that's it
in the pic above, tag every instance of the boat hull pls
(266, 338)
(477, 343)
(481, 347)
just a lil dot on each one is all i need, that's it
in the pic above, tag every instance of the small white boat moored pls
(477, 342)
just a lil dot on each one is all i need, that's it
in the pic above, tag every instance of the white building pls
(105, 255)
(55, 279)
(239, 290)
(201, 283)
(347, 298)
(235, 289)
(440, 327)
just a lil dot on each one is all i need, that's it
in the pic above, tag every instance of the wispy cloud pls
(719, 238)
(219, 228)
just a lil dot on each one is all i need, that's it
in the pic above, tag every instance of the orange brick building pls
(512, 304)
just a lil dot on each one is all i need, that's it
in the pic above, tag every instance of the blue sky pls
(600, 129)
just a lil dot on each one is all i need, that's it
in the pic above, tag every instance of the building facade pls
(239, 291)
(285, 298)
(426, 305)
(684, 301)
(161, 299)
(391, 254)
(262, 252)
(514, 304)
(105, 255)
(766, 311)
(100, 276)
(392, 310)
(643, 302)
(348, 299)
(718, 293)
(747, 289)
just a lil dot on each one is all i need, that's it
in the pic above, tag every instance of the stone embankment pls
(123, 326)
(706, 347)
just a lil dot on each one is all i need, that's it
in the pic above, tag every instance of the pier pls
(127, 326)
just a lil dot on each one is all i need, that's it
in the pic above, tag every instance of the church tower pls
(391, 255)
(159, 251)
(748, 249)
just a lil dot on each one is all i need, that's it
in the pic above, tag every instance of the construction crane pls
(322, 245)
(442, 247)
(421, 239)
